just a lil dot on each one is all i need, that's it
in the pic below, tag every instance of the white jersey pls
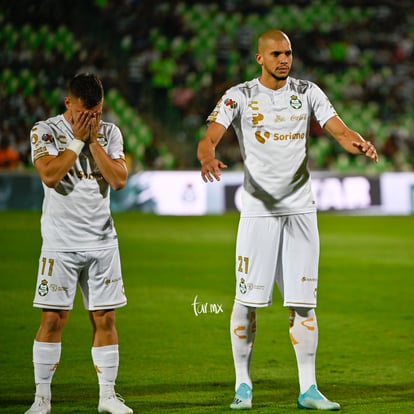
(272, 127)
(76, 213)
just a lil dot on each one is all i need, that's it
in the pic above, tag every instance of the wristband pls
(76, 146)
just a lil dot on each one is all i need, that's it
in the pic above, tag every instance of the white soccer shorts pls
(97, 272)
(277, 249)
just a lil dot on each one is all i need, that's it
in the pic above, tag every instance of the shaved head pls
(274, 55)
(271, 36)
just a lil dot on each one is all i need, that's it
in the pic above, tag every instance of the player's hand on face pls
(81, 126)
(212, 170)
(95, 122)
(368, 149)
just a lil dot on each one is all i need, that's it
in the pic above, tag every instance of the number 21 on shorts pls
(243, 264)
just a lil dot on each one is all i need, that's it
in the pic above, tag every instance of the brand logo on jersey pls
(301, 117)
(295, 102)
(253, 105)
(47, 138)
(262, 136)
(43, 288)
(257, 118)
(230, 103)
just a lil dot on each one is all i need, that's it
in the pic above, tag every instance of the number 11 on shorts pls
(45, 262)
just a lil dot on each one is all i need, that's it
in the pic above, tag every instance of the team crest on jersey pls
(102, 140)
(295, 102)
(230, 103)
(43, 288)
(47, 138)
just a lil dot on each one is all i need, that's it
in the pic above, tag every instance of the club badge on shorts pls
(242, 286)
(43, 288)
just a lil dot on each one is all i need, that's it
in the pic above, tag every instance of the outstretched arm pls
(206, 152)
(350, 140)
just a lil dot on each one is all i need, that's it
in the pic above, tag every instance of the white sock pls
(304, 337)
(242, 333)
(106, 362)
(46, 356)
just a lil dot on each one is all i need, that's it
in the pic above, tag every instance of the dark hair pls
(88, 87)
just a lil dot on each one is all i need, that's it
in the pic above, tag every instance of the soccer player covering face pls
(78, 158)
(277, 238)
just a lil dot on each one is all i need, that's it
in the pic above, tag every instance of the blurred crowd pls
(171, 67)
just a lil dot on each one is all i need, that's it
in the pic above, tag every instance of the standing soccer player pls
(277, 239)
(78, 158)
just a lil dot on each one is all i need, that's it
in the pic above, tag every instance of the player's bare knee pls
(103, 319)
(53, 321)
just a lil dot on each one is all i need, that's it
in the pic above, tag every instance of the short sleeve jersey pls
(272, 127)
(76, 213)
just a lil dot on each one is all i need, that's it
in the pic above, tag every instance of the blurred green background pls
(165, 64)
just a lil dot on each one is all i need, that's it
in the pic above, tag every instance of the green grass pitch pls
(174, 361)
